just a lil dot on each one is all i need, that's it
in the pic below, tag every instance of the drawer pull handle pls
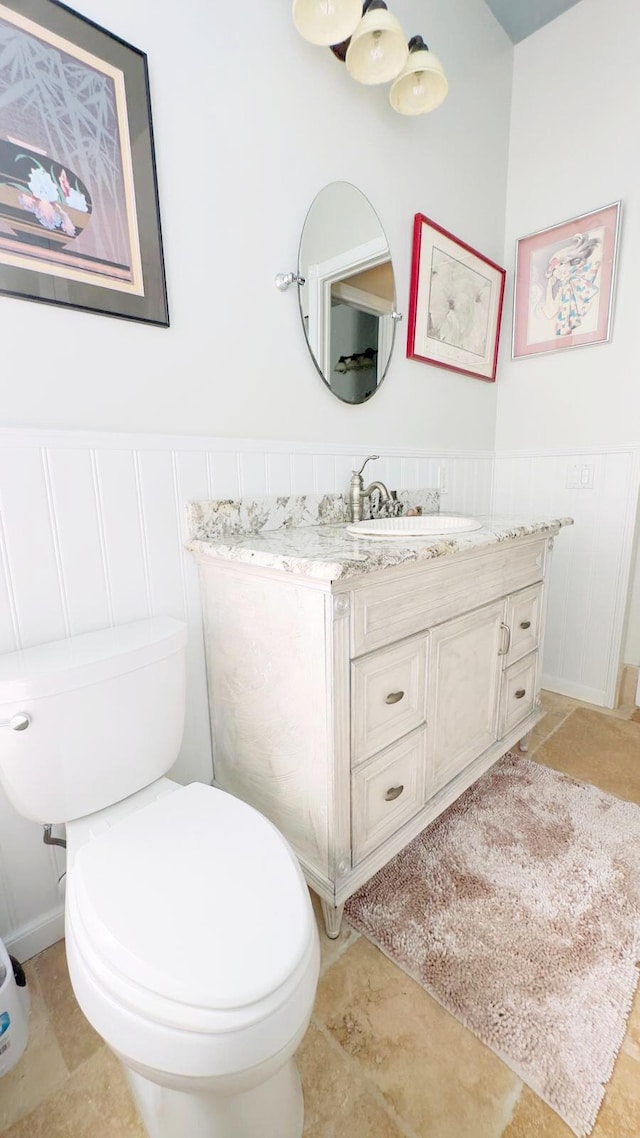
(525, 624)
(394, 697)
(521, 692)
(505, 647)
(393, 793)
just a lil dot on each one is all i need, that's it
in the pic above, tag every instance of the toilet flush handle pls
(18, 722)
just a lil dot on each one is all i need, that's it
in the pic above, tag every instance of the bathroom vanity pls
(357, 686)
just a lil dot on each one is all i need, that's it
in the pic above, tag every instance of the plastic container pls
(14, 1011)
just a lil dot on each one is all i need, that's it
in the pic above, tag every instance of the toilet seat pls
(192, 912)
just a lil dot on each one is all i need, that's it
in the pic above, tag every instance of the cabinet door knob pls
(520, 693)
(394, 697)
(525, 624)
(393, 793)
(18, 722)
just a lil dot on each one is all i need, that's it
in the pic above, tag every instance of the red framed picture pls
(455, 306)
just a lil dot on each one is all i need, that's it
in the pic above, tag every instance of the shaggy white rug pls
(518, 910)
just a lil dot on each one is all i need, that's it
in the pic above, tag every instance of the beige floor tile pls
(94, 1103)
(532, 1118)
(557, 704)
(338, 1102)
(619, 1116)
(597, 748)
(40, 1070)
(76, 1038)
(438, 1077)
(632, 1039)
(330, 950)
(557, 709)
(635, 715)
(546, 727)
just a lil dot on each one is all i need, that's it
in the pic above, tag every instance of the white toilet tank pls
(106, 716)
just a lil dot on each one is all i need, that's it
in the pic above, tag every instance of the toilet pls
(190, 938)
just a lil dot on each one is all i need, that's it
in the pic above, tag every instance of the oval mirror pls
(347, 302)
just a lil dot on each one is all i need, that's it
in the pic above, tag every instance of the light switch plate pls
(580, 476)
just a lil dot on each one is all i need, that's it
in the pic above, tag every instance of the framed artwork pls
(79, 215)
(564, 284)
(455, 303)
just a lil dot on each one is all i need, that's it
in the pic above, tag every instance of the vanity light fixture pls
(422, 84)
(370, 40)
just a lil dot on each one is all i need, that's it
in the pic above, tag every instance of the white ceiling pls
(520, 18)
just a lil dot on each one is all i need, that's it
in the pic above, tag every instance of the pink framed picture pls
(564, 284)
(455, 305)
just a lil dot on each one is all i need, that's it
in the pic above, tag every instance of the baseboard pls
(31, 939)
(561, 686)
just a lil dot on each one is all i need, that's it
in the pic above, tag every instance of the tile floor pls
(381, 1059)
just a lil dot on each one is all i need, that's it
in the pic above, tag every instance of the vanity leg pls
(523, 745)
(332, 918)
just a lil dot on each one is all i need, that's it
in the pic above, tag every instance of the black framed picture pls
(79, 212)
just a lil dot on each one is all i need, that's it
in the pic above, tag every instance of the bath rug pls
(518, 910)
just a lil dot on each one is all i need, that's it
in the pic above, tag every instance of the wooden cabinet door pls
(463, 692)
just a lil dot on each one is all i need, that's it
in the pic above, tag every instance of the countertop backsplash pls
(223, 517)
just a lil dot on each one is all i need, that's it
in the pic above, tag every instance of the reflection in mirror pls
(348, 299)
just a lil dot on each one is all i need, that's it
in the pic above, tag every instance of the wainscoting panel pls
(92, 528)
(591, 560)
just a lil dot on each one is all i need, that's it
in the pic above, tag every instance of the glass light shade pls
(378, 48)
(421, 86)
(326, 22)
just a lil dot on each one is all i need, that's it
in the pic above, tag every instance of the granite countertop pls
(307, 536)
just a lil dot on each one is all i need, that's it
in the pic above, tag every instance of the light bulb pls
(418, 83)
(377, 49)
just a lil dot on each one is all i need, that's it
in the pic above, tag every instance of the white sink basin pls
(428, 525)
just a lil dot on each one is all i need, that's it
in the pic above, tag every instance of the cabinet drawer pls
(524, 612)
(519, 690)
(388, 697)
(444, 588)
(386, 793)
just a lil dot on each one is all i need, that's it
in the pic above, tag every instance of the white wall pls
(250, 122)
(573, 149)
(574, 128)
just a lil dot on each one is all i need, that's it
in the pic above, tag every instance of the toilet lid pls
(197, 898)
